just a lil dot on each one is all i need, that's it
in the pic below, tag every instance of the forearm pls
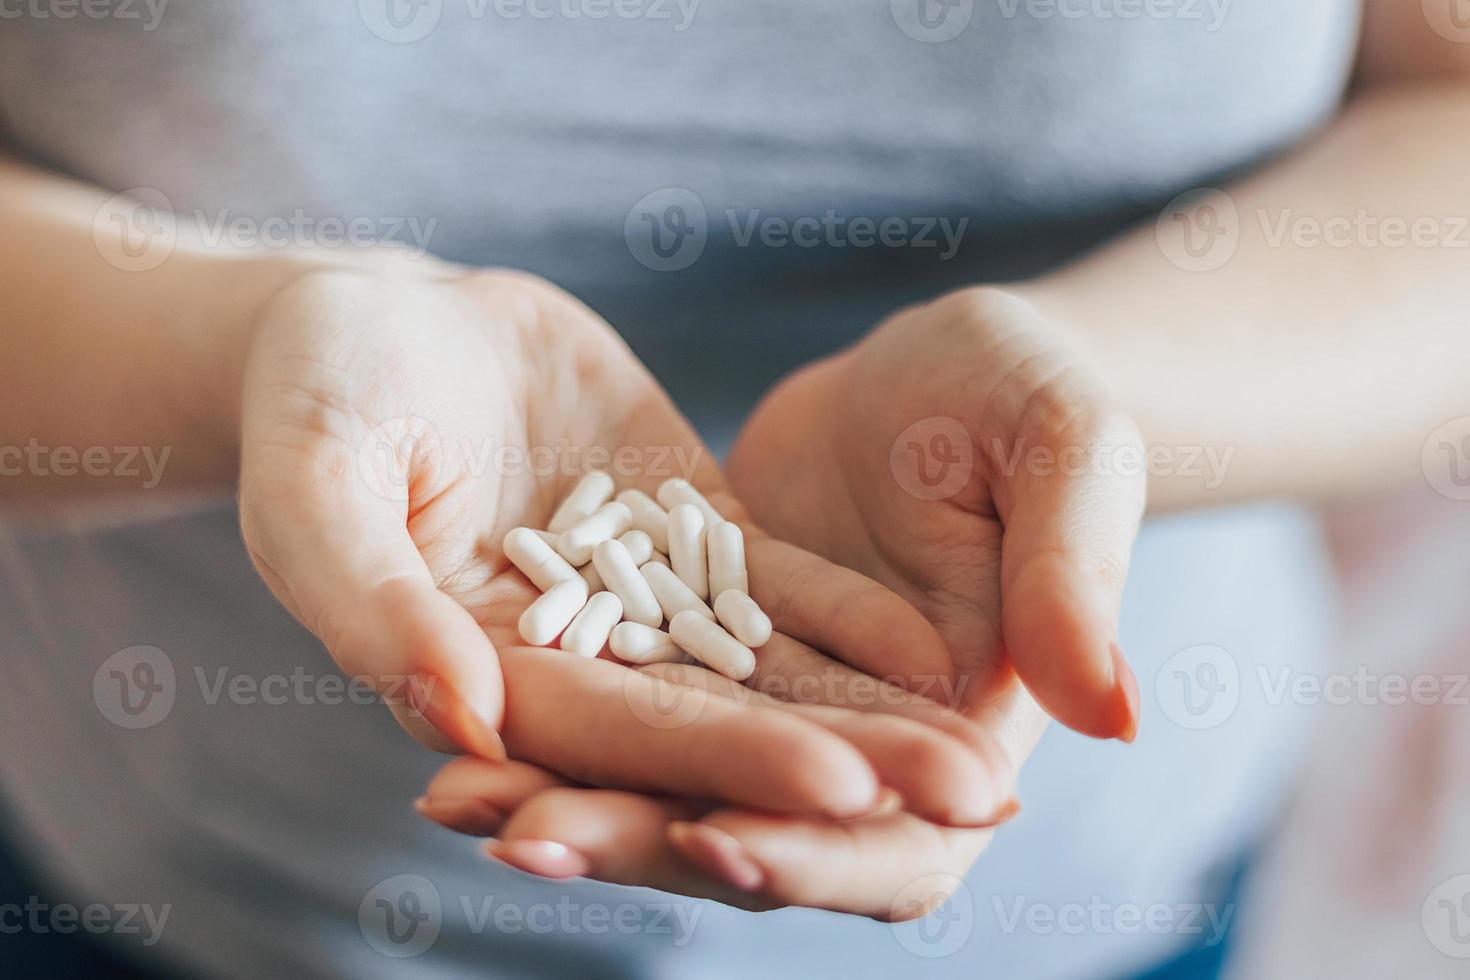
(112, 379)
(1323, 367)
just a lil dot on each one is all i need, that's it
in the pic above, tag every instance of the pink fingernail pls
(717, 854)
(467, 815)
(546, 858)
(1127, 694)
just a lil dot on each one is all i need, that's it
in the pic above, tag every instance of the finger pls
(602, 723)
(1068, 535)
(846, 614)
(883, 867)
(936, 776)
(339, 555)
(474, 796)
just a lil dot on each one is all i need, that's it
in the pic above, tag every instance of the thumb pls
(1069, 530)
(339, 556)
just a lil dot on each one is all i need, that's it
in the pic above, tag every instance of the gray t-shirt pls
(738, 185)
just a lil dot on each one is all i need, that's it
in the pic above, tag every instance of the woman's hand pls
(967, 457)
(1017, 556)
(396, 426)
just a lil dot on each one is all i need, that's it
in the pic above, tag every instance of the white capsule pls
(620, 574)
(577, 542)
(658, 558)
(590, 493)
(712, 646)
(673, 595)
(639, 545)
(687, 549)
(672, 493)
(745, 620)
(639, 644)
(726, 546)
(551, 613)
(542, 565)
(648, 516)
(588, 633)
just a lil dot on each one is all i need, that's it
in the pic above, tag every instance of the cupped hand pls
(1018, 564)
(395, 426)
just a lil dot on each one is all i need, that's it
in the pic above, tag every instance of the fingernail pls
(889, 801)
(1126, 694)
(467, 815)
(453, 716)
(717, 854)
(546, 858)
(1004, 812)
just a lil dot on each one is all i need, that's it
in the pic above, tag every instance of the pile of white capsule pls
(613, 571)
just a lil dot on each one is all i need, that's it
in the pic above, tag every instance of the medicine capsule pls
(712, 646)
(590, 493)
(745, 620)
(658, 558)
(639, 644)
(588, 633)
(672, 493)
(726, 546)
(550, 614)
(620, 574)
(532, 555)
(648, 517)
(639, 545)
(591, 576)
(673, 595)
(611, 520)
(687, 548)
